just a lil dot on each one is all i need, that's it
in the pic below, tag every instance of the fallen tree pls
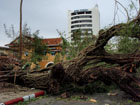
(91, 65)
(7, 64)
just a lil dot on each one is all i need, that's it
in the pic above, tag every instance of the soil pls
(8, 91)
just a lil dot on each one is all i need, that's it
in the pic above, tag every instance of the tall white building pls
(85, 20)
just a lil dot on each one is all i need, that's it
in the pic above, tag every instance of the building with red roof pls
(54, 46)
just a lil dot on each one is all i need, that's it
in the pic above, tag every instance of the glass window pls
(26, 53)
(77, 17)
(53, 53)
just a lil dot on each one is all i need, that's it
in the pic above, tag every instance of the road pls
(101, 98)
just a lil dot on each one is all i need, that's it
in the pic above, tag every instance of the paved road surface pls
(102, 99)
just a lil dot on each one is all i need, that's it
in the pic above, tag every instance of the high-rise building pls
(84, 19)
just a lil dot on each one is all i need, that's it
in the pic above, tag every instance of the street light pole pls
(20, 46)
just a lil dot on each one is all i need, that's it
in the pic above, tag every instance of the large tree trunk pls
(91, 65)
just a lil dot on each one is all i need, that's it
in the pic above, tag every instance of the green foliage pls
(127, 44)
(90, 88)
(95, 87)
(133, 8)
(36, 58)
(138, 69)
(65, 46)
(129, 102)
(57, 58)
(79, 42)
(39, 48)
(26, 65)
(109, 48)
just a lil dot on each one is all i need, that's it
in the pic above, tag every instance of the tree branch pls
(128, 18)
(138, 16)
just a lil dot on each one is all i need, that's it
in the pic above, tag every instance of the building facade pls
(85, 20)
(54, 47)
(8, 51)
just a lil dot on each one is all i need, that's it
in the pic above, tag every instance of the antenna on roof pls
(96, 6)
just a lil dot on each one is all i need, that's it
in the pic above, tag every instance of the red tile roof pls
(52, 41)
(49, 41)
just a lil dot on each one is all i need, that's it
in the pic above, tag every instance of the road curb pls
(24, 98)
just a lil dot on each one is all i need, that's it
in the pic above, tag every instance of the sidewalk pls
(9, 92)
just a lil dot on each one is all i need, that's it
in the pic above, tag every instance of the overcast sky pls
(49, 15)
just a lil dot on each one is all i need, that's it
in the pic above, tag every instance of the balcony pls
(81, 12)
(81, 16)
(81, 25)
(81, 21)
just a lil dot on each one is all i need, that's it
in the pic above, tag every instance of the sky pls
(50, 15)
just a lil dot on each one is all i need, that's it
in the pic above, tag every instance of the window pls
(80, 12)
(44, 52)
(81, 21)
(77, 17)
(88, 12)
(83, 25)
(73, 13)
(53, 53)
(26, 53)
(53, 48)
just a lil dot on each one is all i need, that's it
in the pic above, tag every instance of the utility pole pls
(139, 10)
(20, 45)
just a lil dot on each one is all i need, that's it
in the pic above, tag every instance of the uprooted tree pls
(92, 64)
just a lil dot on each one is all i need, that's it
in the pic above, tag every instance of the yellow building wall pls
(46, 59)
(43, 63)
(24, 57)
